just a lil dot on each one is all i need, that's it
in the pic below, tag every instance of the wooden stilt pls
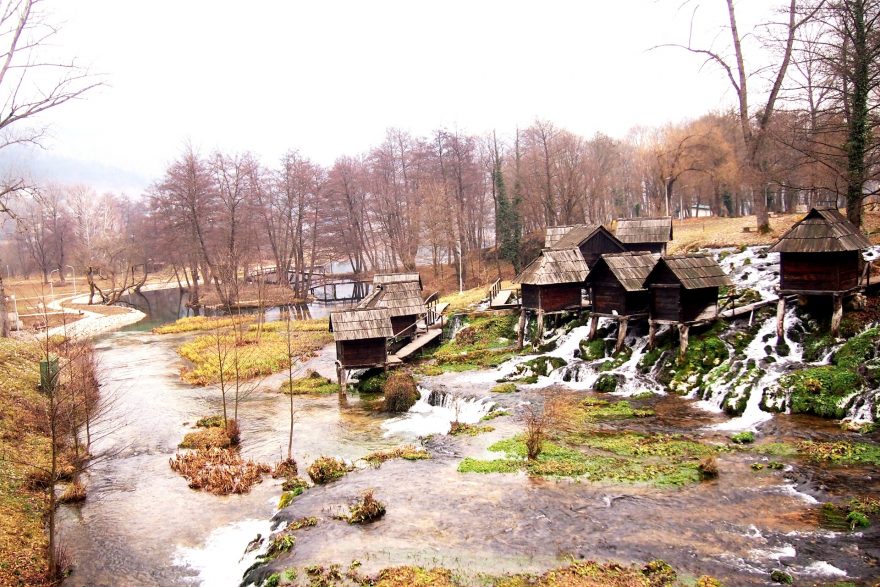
(683, 332)
(836, 316)
(622, 326)
(342, 377)
(652, 335)
(539, 332)
(594, 325)
(521, 330)
(780, 320)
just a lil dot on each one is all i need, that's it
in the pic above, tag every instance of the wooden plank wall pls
(666, 303)
(819, 271)
(531, 298)
(401, 323)
(597, 246)
(563, 296)
(368, 352)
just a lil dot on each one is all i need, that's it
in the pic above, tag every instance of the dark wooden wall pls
(658, 248)
(561, 296)
(367, 352)
(606, 293)
(819, 272)
(531, 296)
(401, 323)
(598, 245)
(666, 303)
(699, 304)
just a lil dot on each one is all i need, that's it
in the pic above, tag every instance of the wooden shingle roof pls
(696, 271)
(577, 235)
(630, 269)
(555, 266)
(644, 230)
(359, 324)
(382, 278)
(399, 298)
(554, 233)
(821, 231)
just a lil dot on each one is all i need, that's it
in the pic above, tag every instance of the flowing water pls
(142, 525)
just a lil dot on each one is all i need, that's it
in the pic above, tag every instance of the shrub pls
(857, 520)
(401, 392)
(219, 471)
(233, 432)
(746, 437)
(366, 509)
(286, 468)
(708, 467)
(327, 469)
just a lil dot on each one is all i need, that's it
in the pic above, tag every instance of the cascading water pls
(434, 413)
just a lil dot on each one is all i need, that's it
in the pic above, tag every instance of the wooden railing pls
(494, 289)
(432, 316)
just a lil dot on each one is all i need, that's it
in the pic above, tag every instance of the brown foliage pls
(219, 471)
(400, 392)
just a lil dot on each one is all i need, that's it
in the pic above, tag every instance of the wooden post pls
(780, 320)
(836, 316)
(539, 331)
(342, 377)
(521, 330)
(652, 335)
(4, 314)
(622, 325)
(594, 325)
(683, 331)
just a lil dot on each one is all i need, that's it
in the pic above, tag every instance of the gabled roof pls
(360, 324)
(821, 231)
(399, 298)
(555, 266)
(644, 230)
(554, 233)
(694, 271)
(630, 269)
(578, 234)
(382, 278)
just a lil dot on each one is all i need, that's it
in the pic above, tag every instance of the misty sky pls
(328, 77)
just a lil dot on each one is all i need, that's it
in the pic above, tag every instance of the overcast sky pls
(328, 77)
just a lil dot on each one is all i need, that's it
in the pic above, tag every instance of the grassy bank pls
(22, 439)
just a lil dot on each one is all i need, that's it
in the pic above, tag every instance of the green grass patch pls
(841, 452)
(494, 414)
(311, 384)
(746, 437)
(504, 388)
(249, 354)
(203, 323)
(462, 429)
(600, 410)
(408, 453)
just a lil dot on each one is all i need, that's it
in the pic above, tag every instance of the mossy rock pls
(371, 381)
(821, 391)
(592, 350)
(606, 383)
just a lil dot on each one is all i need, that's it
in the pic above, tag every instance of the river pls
(142, 525)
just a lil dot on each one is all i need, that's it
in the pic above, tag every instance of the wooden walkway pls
(420, 341)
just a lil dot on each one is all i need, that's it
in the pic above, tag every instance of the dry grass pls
(73, 493)
(408, 452)
(202, 323)
(22, 438)
(214, 437)
(219, 471)
(365, 509)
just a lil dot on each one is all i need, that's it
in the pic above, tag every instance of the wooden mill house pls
(361, 337)
(401, 295)
(592, 240)
(684, 291)
(617, 290)
(551, 284)
(821, 255)
(645, 234)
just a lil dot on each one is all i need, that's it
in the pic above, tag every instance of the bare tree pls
(32, 80)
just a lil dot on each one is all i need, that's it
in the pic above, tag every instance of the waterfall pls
(434, 413)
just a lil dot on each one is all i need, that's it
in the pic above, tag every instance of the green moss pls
(841, 452)
(746, 437)
(272, 580)
(649, 359)
(504, 388)
(327, 469)
(461, 429)
(622, 410)
(494, 414)
(820, 390)
(592, 350)
(777, 449)
(485, 332)
(857, 350)
(311, 384)
(606, 383)
(704, 354)
(782, 577)
(372, 381)
(470, 465)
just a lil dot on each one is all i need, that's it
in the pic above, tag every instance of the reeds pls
(218, 471)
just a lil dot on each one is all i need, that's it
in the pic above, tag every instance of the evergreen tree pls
(508, 224)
